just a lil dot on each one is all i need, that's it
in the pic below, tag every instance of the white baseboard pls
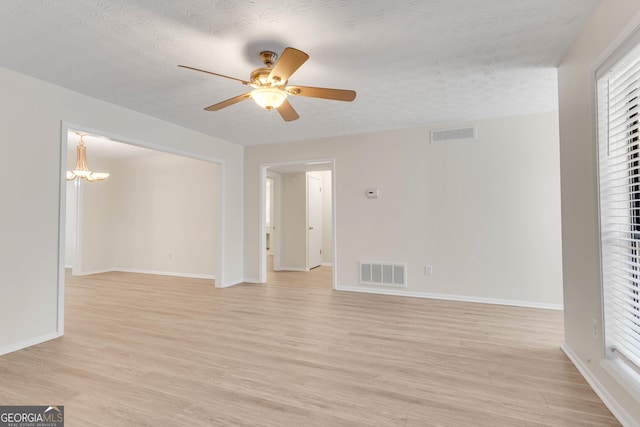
(230, 283)
(624, 374)
(89, 273)
(28, 343)
(616, 409)
(165, 273)
(251, 280)
(448, 297)
(327, 264)
(283, 268)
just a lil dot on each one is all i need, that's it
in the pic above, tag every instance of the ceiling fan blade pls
(287, 112)
(228, 102)
(290, 60)
(322, 92)
(244, 82)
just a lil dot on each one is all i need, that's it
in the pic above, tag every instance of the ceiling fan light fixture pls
(269, 83)
(268, 97)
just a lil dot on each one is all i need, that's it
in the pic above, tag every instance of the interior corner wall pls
(484, 213)
(30, 243)
(580, 241)
(165, 208)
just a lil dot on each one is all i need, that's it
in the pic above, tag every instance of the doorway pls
(300, 234)
(89, 247)
(146, 217)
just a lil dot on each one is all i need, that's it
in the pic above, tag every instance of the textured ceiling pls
(412, 62)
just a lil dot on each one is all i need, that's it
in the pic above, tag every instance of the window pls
(618, 92)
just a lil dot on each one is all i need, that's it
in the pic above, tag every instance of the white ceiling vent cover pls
(383, 274)
(450, 135)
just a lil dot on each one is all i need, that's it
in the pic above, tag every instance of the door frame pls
(262, 228)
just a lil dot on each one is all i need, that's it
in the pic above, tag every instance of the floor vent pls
(449, 135)
(383, 274)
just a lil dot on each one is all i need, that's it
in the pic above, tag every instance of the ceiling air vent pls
(458, 134)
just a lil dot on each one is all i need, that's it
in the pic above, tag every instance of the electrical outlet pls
(428, 270)
(594, 328)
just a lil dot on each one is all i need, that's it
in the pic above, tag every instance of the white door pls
(270, 223)
(314, 222)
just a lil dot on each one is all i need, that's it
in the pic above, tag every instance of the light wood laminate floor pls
(144, 350)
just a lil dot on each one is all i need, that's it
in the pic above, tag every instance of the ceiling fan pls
(270, 88)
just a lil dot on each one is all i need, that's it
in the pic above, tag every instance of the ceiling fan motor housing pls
(268, 58)
(260, 78)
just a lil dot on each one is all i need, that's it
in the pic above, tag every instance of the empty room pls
(320, 213)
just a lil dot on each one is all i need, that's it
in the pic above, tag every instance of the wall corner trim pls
(612, 404)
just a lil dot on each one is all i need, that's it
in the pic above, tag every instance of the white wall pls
(582, 289)
(293, 229)
(485, 214)
(97, 222)
(154, 214)
(164, 212)
(70, 224)
(33, 112)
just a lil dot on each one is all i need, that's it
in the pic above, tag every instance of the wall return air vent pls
(450, 135)
(383, 274)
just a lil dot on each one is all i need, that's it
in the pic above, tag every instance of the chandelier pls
(81, 170)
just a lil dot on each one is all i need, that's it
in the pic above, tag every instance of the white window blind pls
(618, 89)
